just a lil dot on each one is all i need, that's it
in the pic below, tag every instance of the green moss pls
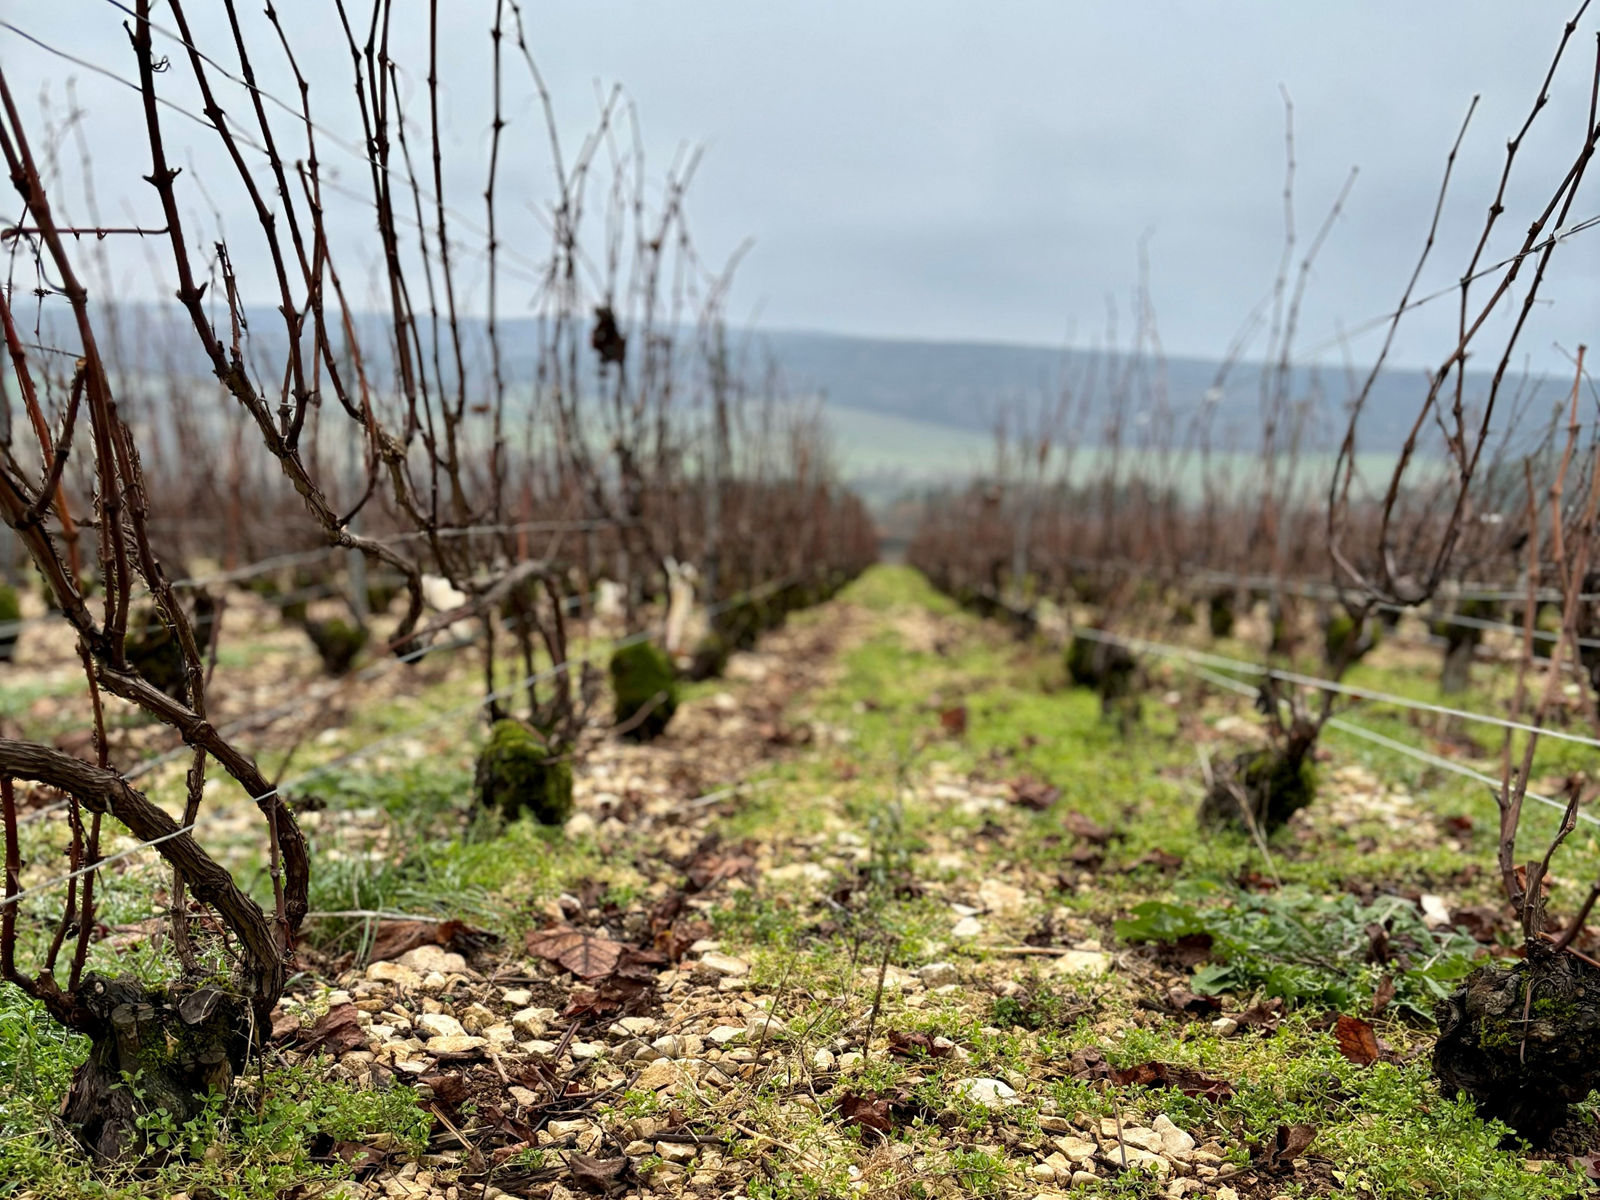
(337, 642)
(10, 610)
(643, 679)
(517, 773)
(153, 651)
(710, 657)
(1546, 620)
(1276, 784)
(1221, 615)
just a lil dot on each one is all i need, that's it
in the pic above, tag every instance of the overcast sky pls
(926, 169)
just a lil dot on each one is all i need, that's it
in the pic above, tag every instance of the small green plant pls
(1309, 949)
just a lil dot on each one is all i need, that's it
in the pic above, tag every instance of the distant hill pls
(964, 385)
(929, 408)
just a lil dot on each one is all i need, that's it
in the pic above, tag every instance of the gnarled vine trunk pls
(1523, 1041)
(151, 1050)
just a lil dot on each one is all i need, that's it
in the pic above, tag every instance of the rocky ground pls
(890, 911)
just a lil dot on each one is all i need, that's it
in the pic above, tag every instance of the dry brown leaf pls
(1181, 1079)
(394, 938)
(1290, 1143)
(871, 1111)
(1357, 1041)
(606, 1176)
(1081, 826)
(336, 1031)
(1033, 793)
(1383, 994)
(584, 954)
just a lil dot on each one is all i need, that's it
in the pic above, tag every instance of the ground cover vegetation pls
(459, 509)
(824, 936)
(1484, 525)
(524, 784)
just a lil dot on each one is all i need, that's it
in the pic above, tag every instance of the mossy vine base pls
(1523, 1062)
(151, 1051)
(646, 688)
(1274, 783)
(519, 772)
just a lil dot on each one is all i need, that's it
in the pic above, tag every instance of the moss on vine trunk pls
(520, 772)
(1271, 785)
(151, 1051)
(646, 690)
(1523, 1041)
(10, 613)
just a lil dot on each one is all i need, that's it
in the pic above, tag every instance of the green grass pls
(867, 786)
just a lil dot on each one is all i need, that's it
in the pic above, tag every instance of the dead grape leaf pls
(910, 1045)
(619, 994)
(1383, 994)
(284, 1025)
(954, 720)
(1181, 999)
(1035, 794)
(587, 956)
(1089, 830)
(1263, 1017)
(337, 1031)
(1290, 1143)
(1160, 859)
(1179, 1079)
(394, 938)
(871, 1111)
(1357, 1041)
(607, 1176)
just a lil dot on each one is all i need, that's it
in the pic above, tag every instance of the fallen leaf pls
(1089, 1063)
(1188, 952)
(1081, 826)
(617, 995)
(1459, 823)
(1290, 1143)
(1182, 1000)
(587, 956)
(1179, 1079)
(1159, 859)
(284, 1025)
(501, 1153)
(336, 1032)
(1033, 793)
(1262, 1017)
(708, 871)
(394, 938)
(954, 720)
(1481, 921)
(910, 1045)
(1378, 944)
(1383, 994)
(870, 1111)
(1356, 1040)
(606, 1176)
(1087, 858)
(450, 1090)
